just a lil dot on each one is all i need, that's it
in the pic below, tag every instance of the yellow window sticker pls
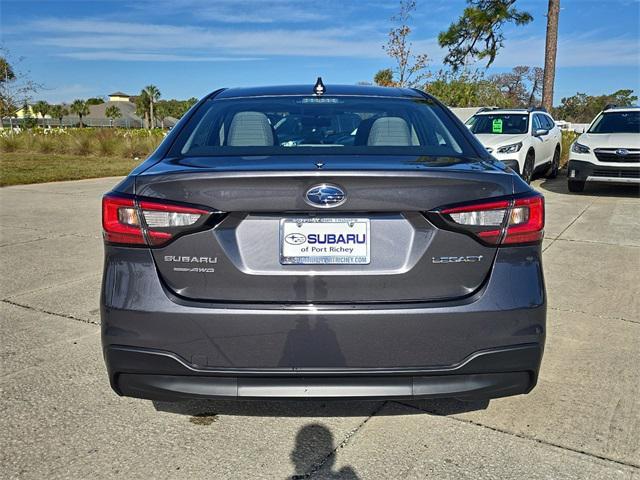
(497, 125)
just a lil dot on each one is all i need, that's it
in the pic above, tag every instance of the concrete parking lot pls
(61, 420)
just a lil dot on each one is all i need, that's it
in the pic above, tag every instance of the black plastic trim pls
(468, 387)
(160, 375)
(124, 359)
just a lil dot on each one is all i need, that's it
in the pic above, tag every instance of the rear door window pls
(548, 122)
(537, 123)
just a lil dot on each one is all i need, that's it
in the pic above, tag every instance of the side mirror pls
(578, 130)
(541, 132)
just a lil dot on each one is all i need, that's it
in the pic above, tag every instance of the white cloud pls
(99, 39)
(74, 36)
(149, 57)
(64, 93)
(588, 50)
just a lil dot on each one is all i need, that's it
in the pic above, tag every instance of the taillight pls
(502, 222)
(526, 222)
(126, 220)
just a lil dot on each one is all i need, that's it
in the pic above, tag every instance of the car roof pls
(514, 111)
(307, 89)
(633, 108)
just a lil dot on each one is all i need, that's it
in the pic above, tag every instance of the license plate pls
(307, 241)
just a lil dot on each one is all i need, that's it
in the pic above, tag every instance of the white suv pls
(609, 151)
(525, 140)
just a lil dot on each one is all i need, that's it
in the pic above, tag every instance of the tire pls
(552, 172)
(529, 166)
(575, 186)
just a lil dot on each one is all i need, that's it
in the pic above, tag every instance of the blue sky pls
(78, 49)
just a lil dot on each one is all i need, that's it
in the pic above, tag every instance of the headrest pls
(389, 131)
(250, 129)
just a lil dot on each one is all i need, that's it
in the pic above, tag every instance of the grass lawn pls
(19, 168)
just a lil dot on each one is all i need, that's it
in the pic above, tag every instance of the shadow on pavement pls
(314, 408)
(317, 438)
(559, 185)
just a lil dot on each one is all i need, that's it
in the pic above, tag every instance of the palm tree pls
(41, 108)
(550, 51)
(54, 111)
(80, 108)
(62, 113)
(58, 112)
(112, 112)
(142, 107)
(154, 95)
(161, 112)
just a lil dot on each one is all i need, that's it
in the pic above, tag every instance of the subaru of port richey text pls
(312, 241)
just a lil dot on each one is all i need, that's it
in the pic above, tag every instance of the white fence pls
(75, 122)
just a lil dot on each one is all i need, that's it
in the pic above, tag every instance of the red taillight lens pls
(526, 221)
(120, 221)
(502, 222)
(164, 221)
(126, 221)
(483, 219)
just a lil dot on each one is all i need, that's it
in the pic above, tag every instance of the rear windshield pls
(320, 125)
(498, 124)
(618, 122)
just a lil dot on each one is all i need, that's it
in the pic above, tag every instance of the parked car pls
(528, 141)
(394, 260)
(609, 151)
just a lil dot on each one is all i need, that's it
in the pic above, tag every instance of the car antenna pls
(318, 88)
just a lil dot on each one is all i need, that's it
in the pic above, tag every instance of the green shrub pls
(107, 143)
(132, 148)
(568, 137)
(10, 143)
(83, 145)
(46, 144)
(103, 142)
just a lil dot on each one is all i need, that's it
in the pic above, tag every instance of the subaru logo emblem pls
(622, 152)
(295, 238)
(325, 196)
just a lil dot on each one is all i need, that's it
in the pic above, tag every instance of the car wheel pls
(576, 185)
(555, 165)
(527, 170)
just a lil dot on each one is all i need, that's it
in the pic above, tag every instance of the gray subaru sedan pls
(322, 241)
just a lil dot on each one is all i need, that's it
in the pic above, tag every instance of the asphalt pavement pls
(61, 420)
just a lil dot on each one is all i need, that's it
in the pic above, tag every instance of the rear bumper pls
(158, 346)
(590, 172)
(160, 375)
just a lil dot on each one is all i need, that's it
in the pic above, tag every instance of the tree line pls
(16, 88)
(477, 35)
(149, 107)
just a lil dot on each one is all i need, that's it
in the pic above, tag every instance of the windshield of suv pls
(617, 122)
(500, 123)
(312, 125)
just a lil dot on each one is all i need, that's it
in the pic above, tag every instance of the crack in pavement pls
(526, 437)
(569, 226)
(49, 287)
(50, 236)
(318, 466)
(40, 310)
(597, 242)
(603, 317)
